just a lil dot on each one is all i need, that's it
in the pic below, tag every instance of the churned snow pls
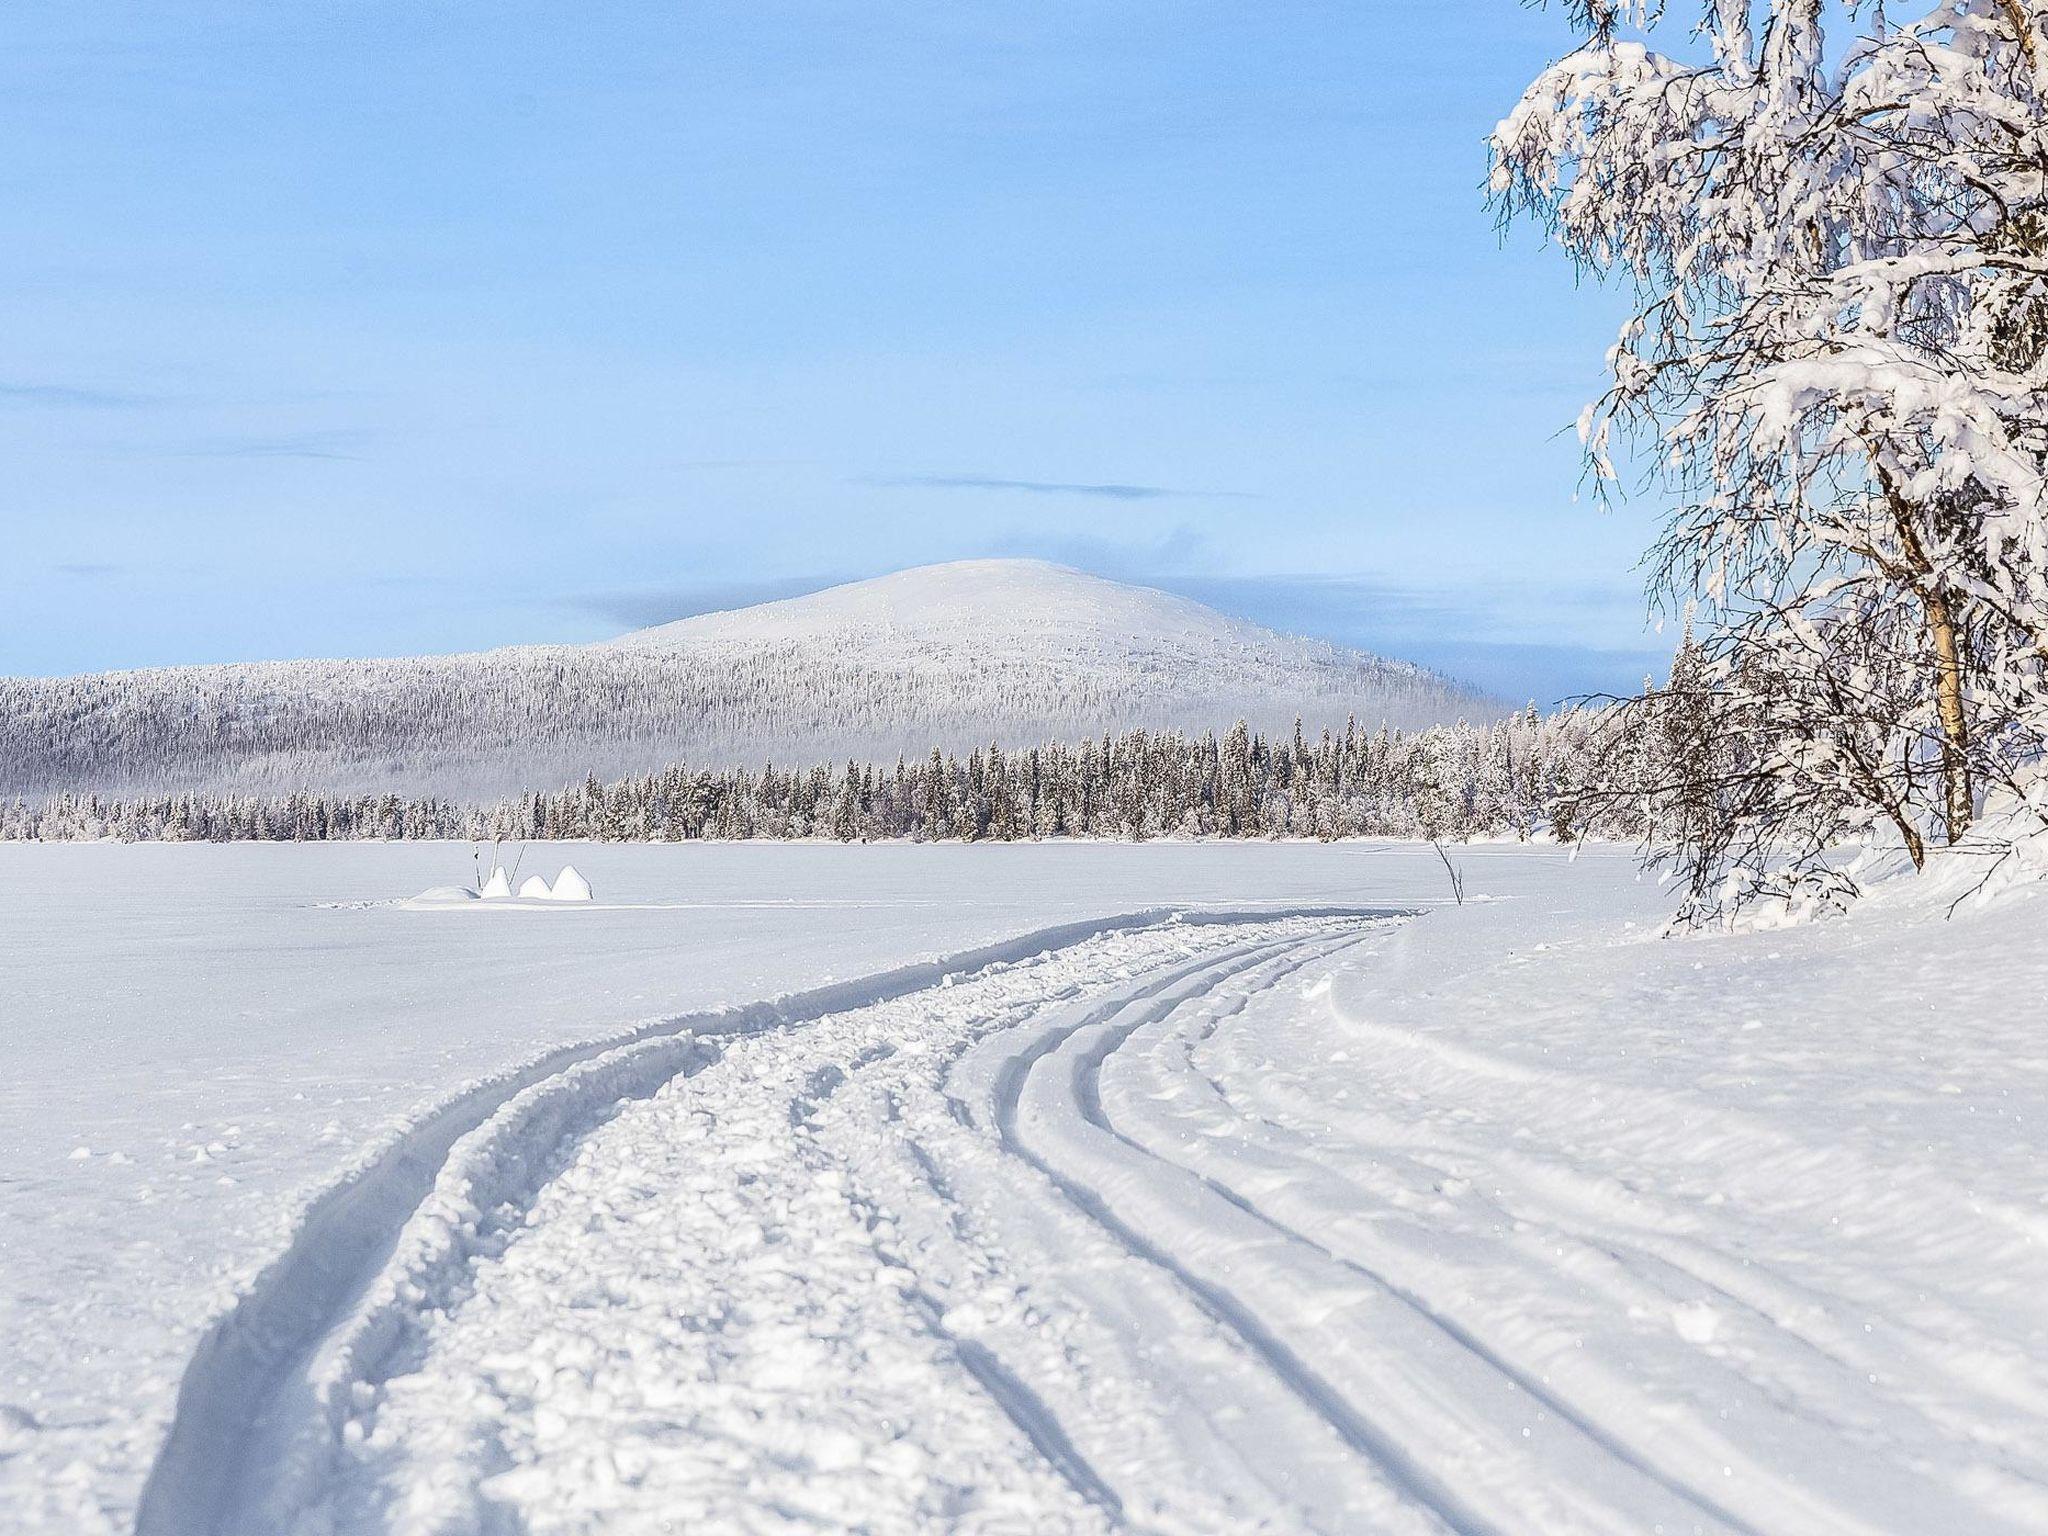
(1341, 1209)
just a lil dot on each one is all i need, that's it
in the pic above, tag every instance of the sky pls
(387, 328)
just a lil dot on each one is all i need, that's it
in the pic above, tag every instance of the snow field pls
(274, 1379)
(1154, 1232)
(1501, 1218)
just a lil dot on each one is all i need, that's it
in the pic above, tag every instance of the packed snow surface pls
(1324, 1206)
(947, 656)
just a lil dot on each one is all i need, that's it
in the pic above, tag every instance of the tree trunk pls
(1916, 850)
(2023, 30)
(1959, 803)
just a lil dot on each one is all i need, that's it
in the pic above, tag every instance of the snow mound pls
(533, 888)
(443, 896)
(2003, 857)
(570, 886)
(498, 886)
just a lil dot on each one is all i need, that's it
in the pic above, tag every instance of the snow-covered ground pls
(1342, 1210)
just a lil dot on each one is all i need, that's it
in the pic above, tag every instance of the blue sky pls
(396, 327)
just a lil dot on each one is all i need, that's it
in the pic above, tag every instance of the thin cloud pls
(71, 397)
(337, 444)
(1545, 675)
(89, 570)
(1476, 609)
(1108, 491)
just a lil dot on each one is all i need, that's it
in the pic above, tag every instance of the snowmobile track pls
(1302, 1379)
(264, 1391)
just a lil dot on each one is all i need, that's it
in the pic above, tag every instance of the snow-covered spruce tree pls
(1839, 362)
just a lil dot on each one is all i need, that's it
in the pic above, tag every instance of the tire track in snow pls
(1202, 1434)
(266, 1391)
(1003, 1386)
(1073, 1059)
(695, 1304)
(1177, 982)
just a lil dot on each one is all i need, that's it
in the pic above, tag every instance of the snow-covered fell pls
(1027, 607)
(948, 656)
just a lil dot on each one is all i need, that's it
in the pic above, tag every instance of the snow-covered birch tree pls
(1838, 369)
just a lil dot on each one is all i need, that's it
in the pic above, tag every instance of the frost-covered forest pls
(1519, 778)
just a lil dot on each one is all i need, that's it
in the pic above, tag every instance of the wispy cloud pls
(1546, 675)
(1492, 609)
(89, 570)
(330, 444)
(70, 397)
(1106, 491)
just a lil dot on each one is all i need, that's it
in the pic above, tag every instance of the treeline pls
(1514, 778)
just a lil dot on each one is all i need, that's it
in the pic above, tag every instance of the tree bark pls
(1955, 725)
(2023, 29)
(1915, 849)
(1959, 805)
